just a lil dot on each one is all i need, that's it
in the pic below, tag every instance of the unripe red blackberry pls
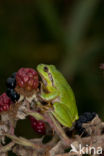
(38, 126)
(5, 102)
(27, 78)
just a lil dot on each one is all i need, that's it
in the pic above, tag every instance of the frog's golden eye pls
(45, 69)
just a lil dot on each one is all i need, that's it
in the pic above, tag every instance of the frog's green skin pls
(59, 94)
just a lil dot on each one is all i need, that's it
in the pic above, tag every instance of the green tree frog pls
(59, 94)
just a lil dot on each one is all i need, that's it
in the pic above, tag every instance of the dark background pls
(67, 33)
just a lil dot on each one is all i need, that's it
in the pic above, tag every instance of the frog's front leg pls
(49, 96)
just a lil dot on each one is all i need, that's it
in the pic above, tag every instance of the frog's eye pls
(45, 69)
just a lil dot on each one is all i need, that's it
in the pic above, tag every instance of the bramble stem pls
(57, 127)
(24, 142)
(36, 115)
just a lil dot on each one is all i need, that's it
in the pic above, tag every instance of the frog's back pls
(62, 84)
(66, 94)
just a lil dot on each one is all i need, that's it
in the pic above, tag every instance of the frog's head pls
(46, 73)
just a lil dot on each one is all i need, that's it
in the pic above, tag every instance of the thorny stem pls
(56, 126)
(6, 147)
(35, 145)
(24, 142)
(36, 115)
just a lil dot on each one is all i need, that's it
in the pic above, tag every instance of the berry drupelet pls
(38, 126)
(85, 118)
(27, 78)
(5, 102)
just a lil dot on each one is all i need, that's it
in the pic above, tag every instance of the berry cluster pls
(38, 125)
(5, 102)
(27, 78)
(85, 118)
(11, 84)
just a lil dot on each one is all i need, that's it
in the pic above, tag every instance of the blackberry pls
(80, 121)
(38, 126)
(83, 119)
(11, 82)
(78, 124)
(86, 117)
(8, 91)
(89, 116)
(13, 94)
(5, 102)
(27, 78)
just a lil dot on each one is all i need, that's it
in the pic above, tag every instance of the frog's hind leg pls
(62, 114)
